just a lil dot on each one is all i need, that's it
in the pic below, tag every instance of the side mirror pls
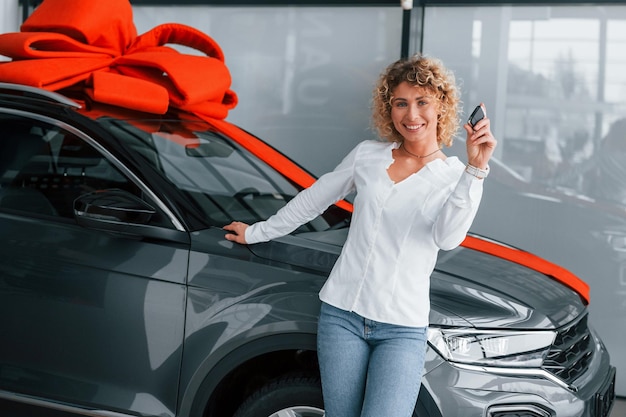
(121, 213)
(113, 205)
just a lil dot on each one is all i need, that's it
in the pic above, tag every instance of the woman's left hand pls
(480, 143)
(237, 232)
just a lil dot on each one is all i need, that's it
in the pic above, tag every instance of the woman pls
(411, 201)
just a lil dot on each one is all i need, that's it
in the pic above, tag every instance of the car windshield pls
(223, 180)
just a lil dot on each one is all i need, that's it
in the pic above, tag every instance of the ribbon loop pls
(105, 24)
(40, 45)
(174, 33)
(111, 88)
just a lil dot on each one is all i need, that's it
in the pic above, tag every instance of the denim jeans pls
(368, 369)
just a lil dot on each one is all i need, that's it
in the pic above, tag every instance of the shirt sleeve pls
(307, 204)
(458, 212)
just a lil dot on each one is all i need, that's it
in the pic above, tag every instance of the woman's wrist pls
(477, 172)
(479, 165)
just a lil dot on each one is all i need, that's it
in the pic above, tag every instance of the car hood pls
(468, 288)
(491, 292)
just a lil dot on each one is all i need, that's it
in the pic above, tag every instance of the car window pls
(224, 181)
(43, 169)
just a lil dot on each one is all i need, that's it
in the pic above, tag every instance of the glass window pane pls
(554, 82)
(303, 75)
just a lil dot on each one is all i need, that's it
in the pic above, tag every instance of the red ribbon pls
(530, 261)
(66, 42)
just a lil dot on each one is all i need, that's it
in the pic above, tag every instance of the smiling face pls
(414, 112)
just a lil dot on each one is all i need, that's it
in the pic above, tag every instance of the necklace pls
(419, 156)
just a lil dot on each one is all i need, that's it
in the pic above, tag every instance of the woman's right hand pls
(238, 234)
(480, 142)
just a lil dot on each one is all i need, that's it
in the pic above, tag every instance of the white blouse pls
(397, 229)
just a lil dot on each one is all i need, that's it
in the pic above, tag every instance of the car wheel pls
(285, 397)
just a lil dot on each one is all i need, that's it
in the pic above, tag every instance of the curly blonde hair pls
(421, 71)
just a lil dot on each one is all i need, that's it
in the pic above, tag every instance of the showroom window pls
(303, 76)
(553, 78)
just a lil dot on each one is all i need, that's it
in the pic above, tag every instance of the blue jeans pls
(368, 369)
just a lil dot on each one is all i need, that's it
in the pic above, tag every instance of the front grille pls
(571, 351)
(517, 410)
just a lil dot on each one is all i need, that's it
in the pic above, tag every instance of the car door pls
(89, 318)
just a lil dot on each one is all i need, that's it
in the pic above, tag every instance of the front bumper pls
(451, 390)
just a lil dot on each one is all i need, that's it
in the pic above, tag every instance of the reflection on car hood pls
(468, 288)
(491, 292)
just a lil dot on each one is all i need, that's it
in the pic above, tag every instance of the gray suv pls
(120, 296)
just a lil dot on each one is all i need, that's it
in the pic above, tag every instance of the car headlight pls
(615, 238)
(492, 347)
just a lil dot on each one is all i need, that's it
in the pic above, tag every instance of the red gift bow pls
(66, 42)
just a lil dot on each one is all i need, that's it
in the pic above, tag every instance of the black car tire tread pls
(282, 393)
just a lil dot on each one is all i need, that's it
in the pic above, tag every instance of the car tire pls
(286, 396)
